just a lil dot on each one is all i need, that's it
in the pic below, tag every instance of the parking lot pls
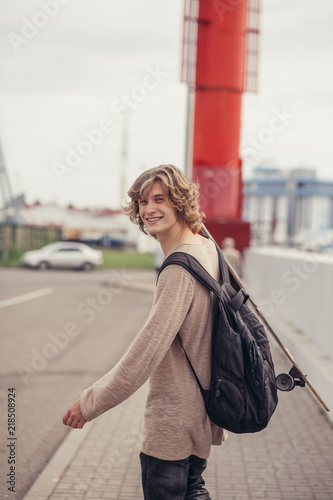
(61, 330)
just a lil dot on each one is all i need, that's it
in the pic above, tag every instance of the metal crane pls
(11, 204)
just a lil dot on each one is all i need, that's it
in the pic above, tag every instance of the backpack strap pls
(202, 390)
(193, 266)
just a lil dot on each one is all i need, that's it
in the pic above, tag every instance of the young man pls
(177, 433)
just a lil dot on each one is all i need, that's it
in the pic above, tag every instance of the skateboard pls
(284, 381)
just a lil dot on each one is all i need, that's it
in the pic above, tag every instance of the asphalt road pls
(60, 331)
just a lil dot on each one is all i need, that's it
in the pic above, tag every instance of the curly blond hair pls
(181, 193)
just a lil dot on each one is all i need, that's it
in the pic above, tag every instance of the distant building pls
(100, 226)
(283, 205)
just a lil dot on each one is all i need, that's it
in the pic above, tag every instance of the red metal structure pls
(219, 63)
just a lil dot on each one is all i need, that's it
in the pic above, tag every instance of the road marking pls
(26, 296)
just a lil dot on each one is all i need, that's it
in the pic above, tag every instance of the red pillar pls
(219, 85)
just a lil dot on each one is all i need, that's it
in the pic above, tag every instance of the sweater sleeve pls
(172, 300)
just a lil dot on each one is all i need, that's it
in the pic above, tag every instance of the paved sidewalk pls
(291, 459)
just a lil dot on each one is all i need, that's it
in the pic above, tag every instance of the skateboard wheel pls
(285, 382)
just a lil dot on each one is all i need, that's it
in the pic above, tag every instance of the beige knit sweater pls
(175, 424)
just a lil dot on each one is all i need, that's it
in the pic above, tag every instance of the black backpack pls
(242, 396)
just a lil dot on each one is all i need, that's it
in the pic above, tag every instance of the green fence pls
(17, 239)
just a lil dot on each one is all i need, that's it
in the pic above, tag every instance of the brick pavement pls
(291, 460)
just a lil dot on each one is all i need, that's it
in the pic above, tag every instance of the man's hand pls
(73, 417)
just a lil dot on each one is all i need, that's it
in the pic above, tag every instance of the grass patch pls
(113, 259)
(10, 258)
(127, 259)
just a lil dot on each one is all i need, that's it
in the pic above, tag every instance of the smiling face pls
(157, 214)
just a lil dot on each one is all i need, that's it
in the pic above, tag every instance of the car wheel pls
(87, 266)
(43, 265)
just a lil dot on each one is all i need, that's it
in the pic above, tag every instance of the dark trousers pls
(173, 480)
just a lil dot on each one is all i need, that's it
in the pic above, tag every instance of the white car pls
(63, 254)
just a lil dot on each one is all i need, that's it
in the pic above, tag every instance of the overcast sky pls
(70, 67)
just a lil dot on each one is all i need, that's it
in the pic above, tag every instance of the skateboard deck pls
(284, 381)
